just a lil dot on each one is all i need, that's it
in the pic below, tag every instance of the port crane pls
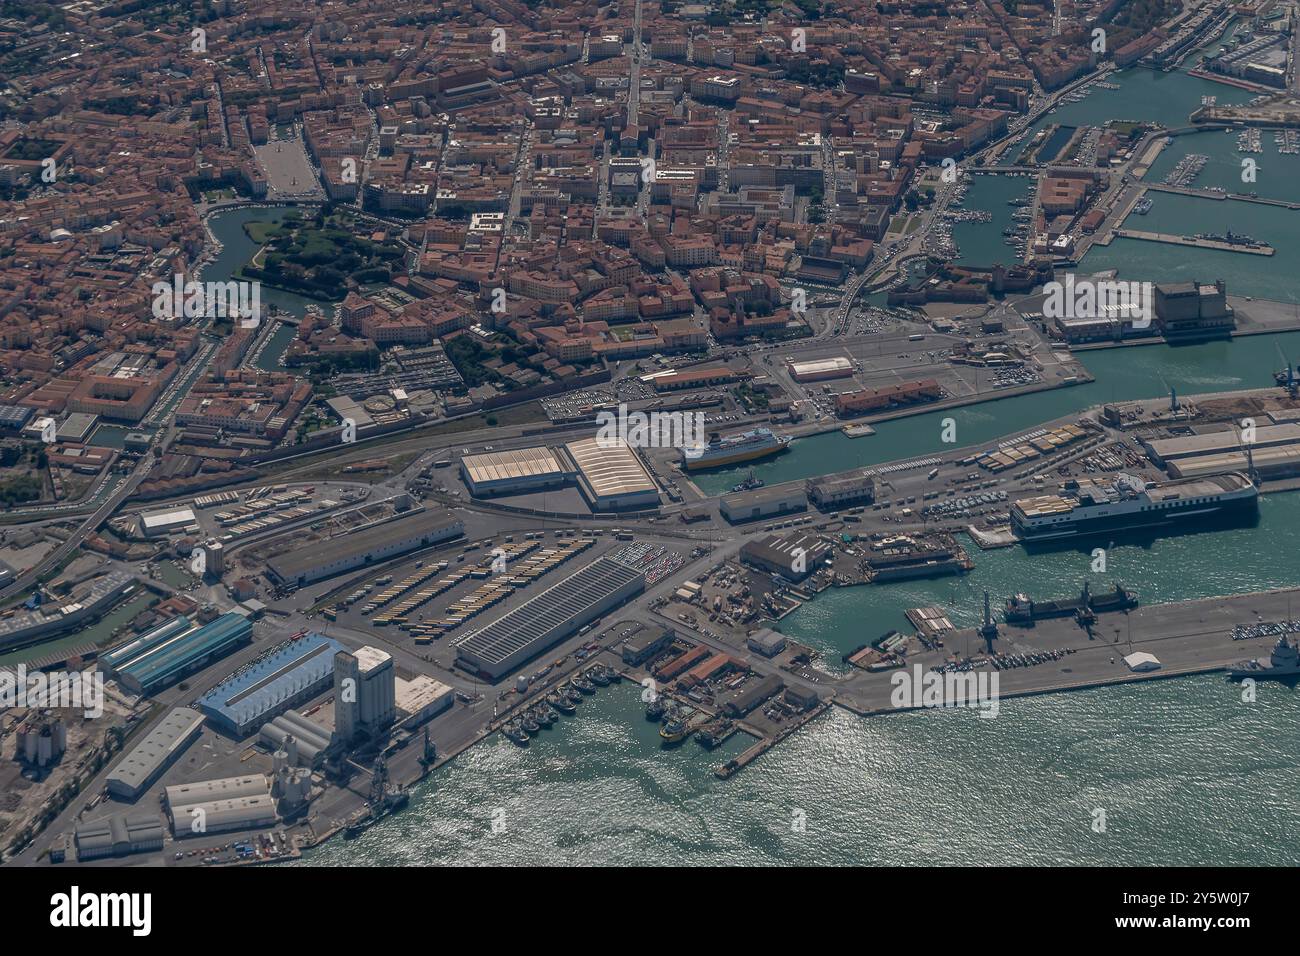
(1291, 385)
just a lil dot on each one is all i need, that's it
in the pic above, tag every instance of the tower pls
(347, 696)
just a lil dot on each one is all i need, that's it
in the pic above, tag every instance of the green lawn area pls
(317, 257)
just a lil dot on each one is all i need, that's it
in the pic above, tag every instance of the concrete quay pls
(1191, 241)
(1190, 637)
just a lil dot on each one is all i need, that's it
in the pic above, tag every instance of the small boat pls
(674, 732)
(515, 734)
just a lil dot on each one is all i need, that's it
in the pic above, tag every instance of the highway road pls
(52, 560)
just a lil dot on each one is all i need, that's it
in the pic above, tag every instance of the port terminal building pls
(550, 617)
(163, 656)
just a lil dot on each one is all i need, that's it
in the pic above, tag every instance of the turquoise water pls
(1130, 373)
(1185, 772)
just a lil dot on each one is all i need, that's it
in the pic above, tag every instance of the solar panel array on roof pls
(550, 617)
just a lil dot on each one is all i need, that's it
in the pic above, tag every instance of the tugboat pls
(584, 685)
(655, 709)
(750, 483)
(549, 716)
(531, 724)
(1284, 662)
(561, 703)
(597, 676)
(573, 695)
(515, 734)
(674, 732)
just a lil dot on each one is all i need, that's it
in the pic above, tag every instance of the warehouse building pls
(762, 503)
(300, 567)
(513, 472)
(214, 806)
(119, 836)
(839, 491)
(611, 477)
(306, 742)
(1162, 451)
(887, 396)
(284, 677)
(646, 644)
(137, 771)
(421, 698)
(172, 521)
(820, 369)
(751, 694)
(549, 618)
(1280, 461)
(793, 556)
(165, 655)
(95, 598)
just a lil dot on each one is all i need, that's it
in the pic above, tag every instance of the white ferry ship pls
(1093, 505)
(745, 446)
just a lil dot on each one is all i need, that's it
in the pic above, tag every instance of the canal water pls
(1184, 771)
(237, 249)
(1125, 373)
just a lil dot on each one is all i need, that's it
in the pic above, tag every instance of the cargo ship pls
(1091, 505)
(1024, 610)
(733, 449)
